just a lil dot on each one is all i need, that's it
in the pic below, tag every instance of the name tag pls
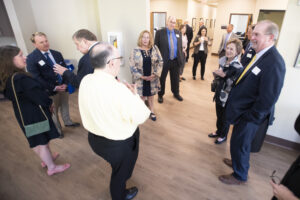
(249, 55)
(256, 70)
(177, 35)
(42, 63)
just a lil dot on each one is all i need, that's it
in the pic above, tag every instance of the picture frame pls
(194, 24)
(115, 39)
(297, 61)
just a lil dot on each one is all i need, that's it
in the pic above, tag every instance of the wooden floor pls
(177, 161)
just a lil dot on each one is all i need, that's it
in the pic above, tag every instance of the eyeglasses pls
(275, 178)
(121, 57)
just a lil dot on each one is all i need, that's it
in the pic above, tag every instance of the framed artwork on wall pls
(194, 24)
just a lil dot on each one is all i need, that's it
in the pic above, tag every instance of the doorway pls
(157, 21)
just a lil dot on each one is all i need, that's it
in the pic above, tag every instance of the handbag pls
(34, 128)
(213, 85)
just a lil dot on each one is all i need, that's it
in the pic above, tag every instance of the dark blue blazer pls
(254, 97)
(42, 70)
(162, 42)
(84, 68)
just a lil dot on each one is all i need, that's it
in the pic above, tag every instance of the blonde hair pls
(32, 39)
(139, 42)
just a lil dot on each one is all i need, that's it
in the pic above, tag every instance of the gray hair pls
(271, 29)
(100, 54)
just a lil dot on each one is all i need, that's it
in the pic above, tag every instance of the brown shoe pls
(228, 162)
(230, 180)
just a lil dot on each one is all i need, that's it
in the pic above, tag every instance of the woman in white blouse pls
(182, 29)
(200, 52)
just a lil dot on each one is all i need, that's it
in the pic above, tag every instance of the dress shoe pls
(160, 99)
(213, 135)
(182, 78)
(152, 116)
(228, 162)
(178, 97)
(202, 78)
(131, 193)
(194, 77)
(220, 140)
(74, 124)
(230, 180)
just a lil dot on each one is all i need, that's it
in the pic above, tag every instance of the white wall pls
(60, 22)
(177, 8)
(288, 105)
(268, 5)
(225, 8)
(123, 16)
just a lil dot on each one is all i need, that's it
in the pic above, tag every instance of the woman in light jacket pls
(146, 66)
(200, 52)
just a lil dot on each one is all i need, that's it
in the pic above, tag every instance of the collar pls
(262, 52)
(43, 52)
(93, 45)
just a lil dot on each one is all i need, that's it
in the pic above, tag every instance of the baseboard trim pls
(282, 142)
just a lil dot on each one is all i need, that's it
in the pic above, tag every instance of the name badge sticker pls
(42, 63)
(249, 55)
(177, 35)
(256, 70)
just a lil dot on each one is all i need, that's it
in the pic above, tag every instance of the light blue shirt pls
(174, 42)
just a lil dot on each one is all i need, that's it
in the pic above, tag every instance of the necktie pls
(246, 69)
(58, 77)
(172, 46)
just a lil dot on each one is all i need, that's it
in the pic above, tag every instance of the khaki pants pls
(61, 101)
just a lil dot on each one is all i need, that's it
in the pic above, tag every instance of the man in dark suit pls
(40, 64)
(253, 98)
(189, 34)
(84, 41)
(169, 42)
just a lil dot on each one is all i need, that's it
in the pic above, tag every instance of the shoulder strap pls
(14, 90)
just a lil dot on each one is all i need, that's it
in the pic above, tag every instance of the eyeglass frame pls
(120, 57)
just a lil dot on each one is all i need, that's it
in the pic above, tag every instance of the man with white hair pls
(111, 112)
(169, 42)
(225, 38)
(253, 98)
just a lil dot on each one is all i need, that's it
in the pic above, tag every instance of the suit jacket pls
(42, 70)
(247, 57)
(233, 35)
(84, 68)
(189, 33)
(254, 97)
(162, 42)
(196, 48)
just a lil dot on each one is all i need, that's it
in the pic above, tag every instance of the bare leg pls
(151, 103)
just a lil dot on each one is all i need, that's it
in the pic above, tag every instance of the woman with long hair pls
(31, 104)
(146, 65)
(182, 29)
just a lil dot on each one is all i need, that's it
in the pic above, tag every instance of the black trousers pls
(173, 67)
(199, 57)
(188, 51)
(222, 125)
(121, 155)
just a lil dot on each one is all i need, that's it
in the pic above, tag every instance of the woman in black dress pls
(145, 66)
(30, 95)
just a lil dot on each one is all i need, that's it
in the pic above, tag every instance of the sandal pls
(58, 170)
(54, 157)
(153, 117)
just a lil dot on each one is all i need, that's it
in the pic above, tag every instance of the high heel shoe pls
(58, 170)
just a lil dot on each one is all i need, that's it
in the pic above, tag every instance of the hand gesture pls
(282, 192)
(59, 69)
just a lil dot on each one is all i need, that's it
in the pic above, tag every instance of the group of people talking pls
(112, 110)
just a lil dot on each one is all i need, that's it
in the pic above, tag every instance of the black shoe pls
(178, 97)
(160, 99)
(194, 77)
(182, 78)
(75, 124)
(220, 141)
(131, 193)
(213, 135)
(202, 78)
